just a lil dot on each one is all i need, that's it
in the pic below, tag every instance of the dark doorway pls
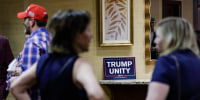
(196, 15)
(196, 19)
(171, 8)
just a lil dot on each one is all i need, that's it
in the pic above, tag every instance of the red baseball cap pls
(34, 11)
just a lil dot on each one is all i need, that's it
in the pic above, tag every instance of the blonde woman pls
(177, 71)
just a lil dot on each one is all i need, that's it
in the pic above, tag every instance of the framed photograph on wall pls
(116, 22)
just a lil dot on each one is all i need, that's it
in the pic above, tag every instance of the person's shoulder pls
(81, 60)
(164, 58)
(165, 61)
(45, 55)
(42, 35)
(42, 38)
(184, 54)
(43, 30)
(43, 59)
(3, 37)
(82, 63)
(176, 53)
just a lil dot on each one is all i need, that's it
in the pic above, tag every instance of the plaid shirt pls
(34, 47)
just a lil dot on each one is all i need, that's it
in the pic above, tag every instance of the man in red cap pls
(35, 20)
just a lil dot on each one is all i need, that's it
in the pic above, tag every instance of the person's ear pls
(32, 22)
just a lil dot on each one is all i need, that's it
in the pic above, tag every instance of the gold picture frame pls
(116, 20)
(148, 60)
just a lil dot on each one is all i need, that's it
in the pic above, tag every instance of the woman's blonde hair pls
(177, 34)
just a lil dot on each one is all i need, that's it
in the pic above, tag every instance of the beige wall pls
(156, 9)
(12, 27)
(187, 9)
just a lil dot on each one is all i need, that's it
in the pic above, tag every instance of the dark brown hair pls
(64, 26)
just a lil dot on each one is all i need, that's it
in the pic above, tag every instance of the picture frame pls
(116, 20)
(148, 60)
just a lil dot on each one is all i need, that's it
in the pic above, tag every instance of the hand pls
(12, 79)
(17, 72)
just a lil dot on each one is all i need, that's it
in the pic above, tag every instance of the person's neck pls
(33, 29)
(77, 49)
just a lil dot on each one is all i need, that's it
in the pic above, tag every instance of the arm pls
(83, 75)
(23, 82)
(157, 91)
(160, 83)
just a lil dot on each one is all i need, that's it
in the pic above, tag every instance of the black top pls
(62, 87)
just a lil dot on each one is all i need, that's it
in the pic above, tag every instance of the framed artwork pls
(148, 60)
(116, 22)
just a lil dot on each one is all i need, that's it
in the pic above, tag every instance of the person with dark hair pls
(153, 48)
(6, 57)
(61, 74)
(35, 19)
